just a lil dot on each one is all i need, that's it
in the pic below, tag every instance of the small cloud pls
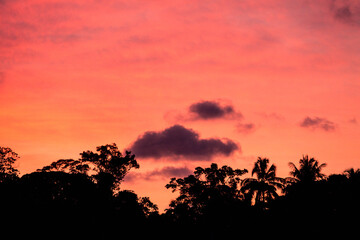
(343, 14)
(353, 121)
(245, 128)
(204, 110)
(165, 172)
(318, 123)
(207, 110)
(347, 12)
(168, 172)
(178, 142)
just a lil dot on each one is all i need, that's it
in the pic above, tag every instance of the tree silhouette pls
(107, 167)
(216, 177)
(57, 189)
(209, 202)
(264, 186)
(202, 189)
(308, 171)
(8, 188)
(352, 174)
(7, 160)
(148, 207)
(67, 165)
(82, 199)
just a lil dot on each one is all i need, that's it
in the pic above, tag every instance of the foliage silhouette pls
(79, 198)
(7, 160)
(309, 170)
(82, 199)
(107, 166)
(264, 186)
(327, 206)
(207, 198)
(352, 174)
(202, 188)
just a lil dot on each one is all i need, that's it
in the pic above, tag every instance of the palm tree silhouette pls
(351, 173)
(265, 184)
(309, 170)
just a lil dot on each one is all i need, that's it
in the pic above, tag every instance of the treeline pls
(83, 199)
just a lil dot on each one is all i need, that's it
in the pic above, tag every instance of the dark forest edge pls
(83, 198)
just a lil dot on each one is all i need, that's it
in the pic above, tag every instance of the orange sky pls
(78, 74)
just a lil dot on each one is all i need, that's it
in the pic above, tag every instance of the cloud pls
(346, 11)
(165, 172)
(245, 127)
(170, 171)
(204, 110)
(318, 123)
(343, 13)
(353, 121)
(211, 110)
(179, 142)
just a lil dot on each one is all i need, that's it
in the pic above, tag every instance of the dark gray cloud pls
(245, 127)
(212, 110)
(179, 142)
(318, 123)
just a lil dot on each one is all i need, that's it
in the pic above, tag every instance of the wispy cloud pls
(165, 172)
(353, 121)
(245, 128)
(318, 123)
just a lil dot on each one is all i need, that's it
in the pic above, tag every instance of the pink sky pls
(78, 74)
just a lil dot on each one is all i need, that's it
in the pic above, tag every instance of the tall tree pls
(107, 166)
(309, 170)
(7, 160)
(263, 188)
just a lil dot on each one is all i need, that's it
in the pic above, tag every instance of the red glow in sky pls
(78, 74)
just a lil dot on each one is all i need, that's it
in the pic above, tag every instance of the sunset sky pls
(181, 83)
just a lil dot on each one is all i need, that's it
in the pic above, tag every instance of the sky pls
(181, 84)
